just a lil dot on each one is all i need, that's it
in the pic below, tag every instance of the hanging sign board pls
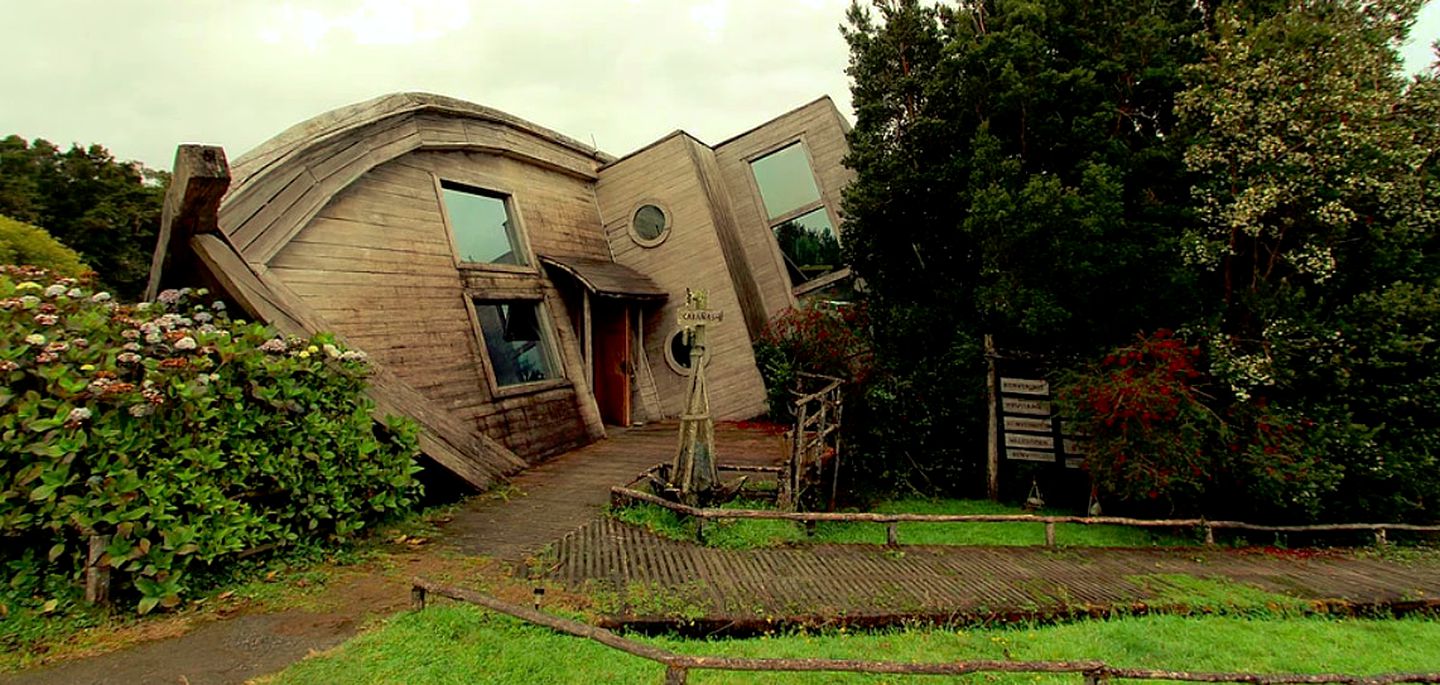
(1024, 386)
(691, 317)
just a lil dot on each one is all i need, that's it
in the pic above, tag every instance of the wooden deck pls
(556, 497)
(869, 584)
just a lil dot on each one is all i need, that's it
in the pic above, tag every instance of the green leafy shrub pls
(184, 435)
(21, 243)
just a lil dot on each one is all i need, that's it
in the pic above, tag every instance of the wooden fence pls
(678, 666)
(620, 495)
(813, 442)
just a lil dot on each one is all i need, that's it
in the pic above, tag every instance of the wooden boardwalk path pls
(556, 497)
(559, 504)
(806, 583)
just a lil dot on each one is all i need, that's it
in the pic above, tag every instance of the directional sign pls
(1029, 455)
(1021, 423)
(1024, 386)
(1013, 405)
(1043, 442)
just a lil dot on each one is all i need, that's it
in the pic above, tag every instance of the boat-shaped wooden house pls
(516, 289)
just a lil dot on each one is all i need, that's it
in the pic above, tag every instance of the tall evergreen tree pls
(1016, 176)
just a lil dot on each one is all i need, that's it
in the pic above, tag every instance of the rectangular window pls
(517, 342)
(809, 244)
(483, 229)
(808, 240)
(785, 180)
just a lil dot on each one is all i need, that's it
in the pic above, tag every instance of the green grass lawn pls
(743, 534)
(463, 644)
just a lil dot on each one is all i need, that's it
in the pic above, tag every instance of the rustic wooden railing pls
(678, 666)
(813, 441)
(620, 495)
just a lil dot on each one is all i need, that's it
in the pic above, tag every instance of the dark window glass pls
(680, 350)
(516, 342)
(484, 230)
(649, 222)
(810, 246)
(785, 180)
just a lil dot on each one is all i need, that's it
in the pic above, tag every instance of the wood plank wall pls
(376, 263)
(691, 257)
(822, 129)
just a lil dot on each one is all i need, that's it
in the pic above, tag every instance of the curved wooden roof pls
(280, 185)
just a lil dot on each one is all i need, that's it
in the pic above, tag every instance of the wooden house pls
(516, 288)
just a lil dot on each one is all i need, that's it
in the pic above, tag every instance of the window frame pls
(819, 282)
(512, 210)
(664, 232)
(549, 341)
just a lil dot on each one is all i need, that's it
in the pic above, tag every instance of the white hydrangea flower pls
(55, 290)
(35, 339)
(186, 343)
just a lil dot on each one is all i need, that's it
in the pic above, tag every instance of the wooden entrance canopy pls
(608, 279)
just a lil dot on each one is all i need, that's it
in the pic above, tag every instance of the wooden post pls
(700, 529)
(1049, 533)
(892, 535)
(97, 574)
(417, 598)
(1209, 535)
(1097, 678)
(992, 452)
(1380, 540)
(809, 529)
(675, 675)
(694, 474)
(192, 205)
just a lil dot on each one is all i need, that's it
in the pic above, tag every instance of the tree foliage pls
(106, 210)
(1258, 175)
(21, 243)
(1015, 177)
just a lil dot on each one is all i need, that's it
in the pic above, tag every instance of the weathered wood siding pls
(821, 127)
(691, 256)
(376, 263)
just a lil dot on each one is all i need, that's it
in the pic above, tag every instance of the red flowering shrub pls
(1148, 425)
(811, 339)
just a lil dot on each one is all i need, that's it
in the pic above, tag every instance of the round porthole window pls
(650, 225)
(677, 353)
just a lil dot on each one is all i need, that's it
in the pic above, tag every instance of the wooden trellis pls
(814, 443)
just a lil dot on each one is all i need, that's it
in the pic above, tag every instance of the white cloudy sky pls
(141, 76)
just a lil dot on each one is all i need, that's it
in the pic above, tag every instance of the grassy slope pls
(458, 644)
(751, 533)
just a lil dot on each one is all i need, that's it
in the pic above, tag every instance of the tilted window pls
(797, 215)
(482, 226)
(517, 341)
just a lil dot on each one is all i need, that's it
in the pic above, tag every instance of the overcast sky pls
(141, 76)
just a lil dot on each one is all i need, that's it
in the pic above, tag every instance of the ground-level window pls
(482, 226)
(517, 342)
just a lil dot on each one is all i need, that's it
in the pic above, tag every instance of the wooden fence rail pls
(619, 495)
(678, 666)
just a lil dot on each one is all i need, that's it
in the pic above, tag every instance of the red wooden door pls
(611, 347)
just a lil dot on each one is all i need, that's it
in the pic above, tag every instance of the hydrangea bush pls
(182, 434)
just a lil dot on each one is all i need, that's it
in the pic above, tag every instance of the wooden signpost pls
(693, 473)
(1023, 424)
